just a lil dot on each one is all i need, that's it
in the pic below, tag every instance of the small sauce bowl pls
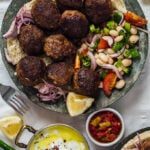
(105, 127)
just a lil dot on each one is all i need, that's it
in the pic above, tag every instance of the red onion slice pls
(109, 39)
(93, 61)
(139, 140)
(95, 37)
(50, 93)
(23, 17)
(11, 33)
(20, 13)
(122, 16)
(7, 55)
(118, 53)
(115, 69)
(44, 89)
(27, 20)
(90, 54)
(143, 30)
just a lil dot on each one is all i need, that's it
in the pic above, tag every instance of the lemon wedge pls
(10, 126)
(78, 104)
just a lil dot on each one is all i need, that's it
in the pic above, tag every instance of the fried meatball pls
(31, 39)
(46, 14)
(74, 24)
(98, 11)
(60, 73)
(69, 4)
(86, 81)
(58, 47)
(30, 70)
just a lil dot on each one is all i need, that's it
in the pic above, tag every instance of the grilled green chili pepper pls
(5, 146)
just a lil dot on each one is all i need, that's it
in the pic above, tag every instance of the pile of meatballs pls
(58, 26)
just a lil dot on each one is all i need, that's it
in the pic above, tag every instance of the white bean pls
(120, 84)
(110, 51)
(113, 33)
(123, 23)
(110, 60)
(133, 39)
(120, 57)
(99, 62)
(96, 56)
(103, 57)
(126, 62)
(133, 30)
(119, 28)
(118, 38)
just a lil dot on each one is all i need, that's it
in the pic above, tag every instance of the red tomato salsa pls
(105, 126)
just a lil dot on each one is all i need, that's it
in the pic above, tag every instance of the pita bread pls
(14, 50)
(131, 143)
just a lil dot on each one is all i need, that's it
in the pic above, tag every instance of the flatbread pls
(131, 143)
(14, 51)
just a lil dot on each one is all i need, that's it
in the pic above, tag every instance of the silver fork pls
(14, 98)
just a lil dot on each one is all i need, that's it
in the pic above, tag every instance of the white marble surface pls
(134, 107)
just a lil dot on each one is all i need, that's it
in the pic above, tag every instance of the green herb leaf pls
(127, 53)
(86, 61)
(118, 64)
(135, 53)
(127, 70)
(103, 74)
(111, 24)
(117, 46)
(106, 31)
(127, 26)
(96, 44)
(117, 17)
(94, 29)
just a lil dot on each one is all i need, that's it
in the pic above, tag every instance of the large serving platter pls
(101, 100)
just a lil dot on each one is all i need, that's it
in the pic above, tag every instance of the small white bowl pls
(108, 144)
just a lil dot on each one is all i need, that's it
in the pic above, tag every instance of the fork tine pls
(21, 101)
(15, 107)
(18, 104)
(14, 98)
